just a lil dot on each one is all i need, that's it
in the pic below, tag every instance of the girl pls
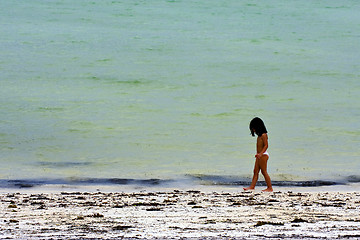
(257, 126)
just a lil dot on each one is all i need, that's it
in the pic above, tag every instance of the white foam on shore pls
(180, 214)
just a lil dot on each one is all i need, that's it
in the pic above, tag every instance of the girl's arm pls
(264, 139)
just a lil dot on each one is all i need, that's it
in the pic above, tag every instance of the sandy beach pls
(180, 214)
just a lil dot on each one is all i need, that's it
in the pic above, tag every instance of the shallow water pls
(166, 89)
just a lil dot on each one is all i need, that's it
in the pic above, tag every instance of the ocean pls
(146, 92)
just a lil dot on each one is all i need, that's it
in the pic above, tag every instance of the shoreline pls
(207, 188)
(179, 214)
(199, 182)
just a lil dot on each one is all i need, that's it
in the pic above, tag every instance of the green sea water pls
(165, 89)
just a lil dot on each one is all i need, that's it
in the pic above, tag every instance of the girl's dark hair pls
(258, 125)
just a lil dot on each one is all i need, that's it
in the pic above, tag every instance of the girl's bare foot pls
(267, 190)
(248, 188)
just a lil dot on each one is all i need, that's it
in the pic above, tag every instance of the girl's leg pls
(263, 167)
(255, 176)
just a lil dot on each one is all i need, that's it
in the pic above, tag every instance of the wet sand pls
(180, 214)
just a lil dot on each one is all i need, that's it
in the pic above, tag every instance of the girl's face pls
(253, 131)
